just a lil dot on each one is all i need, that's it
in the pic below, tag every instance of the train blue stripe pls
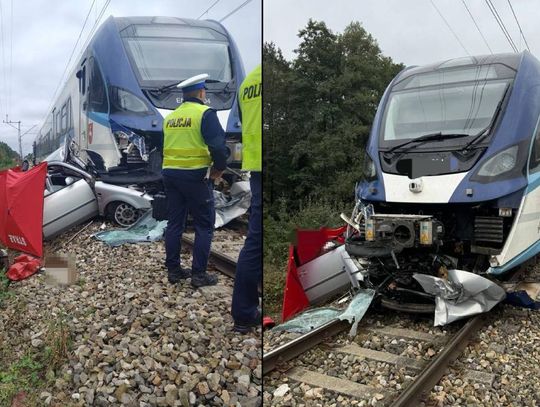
(516, 261)
(101, 118)
(534, 182)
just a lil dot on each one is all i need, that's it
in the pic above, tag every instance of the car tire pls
(123, 213)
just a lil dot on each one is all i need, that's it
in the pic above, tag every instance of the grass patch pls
(279, 231)
(34, 371)
(5, 293)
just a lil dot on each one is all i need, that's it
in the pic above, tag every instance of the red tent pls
(21, 209)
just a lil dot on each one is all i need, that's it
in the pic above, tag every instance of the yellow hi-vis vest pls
(249, 97)
(183, 144)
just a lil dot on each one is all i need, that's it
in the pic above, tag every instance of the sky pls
(411, 31)
(37, 38)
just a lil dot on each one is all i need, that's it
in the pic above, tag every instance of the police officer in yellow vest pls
(245, 300)
(194, 154)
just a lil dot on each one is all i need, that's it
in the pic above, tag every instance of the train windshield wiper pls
(175, 84)
(162, 89)
(425, 138)
(482, 134)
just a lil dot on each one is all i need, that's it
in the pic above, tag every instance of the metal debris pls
(462, 295)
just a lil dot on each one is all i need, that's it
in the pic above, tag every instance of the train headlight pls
(369, 171)
(499, 163)
(127, 101)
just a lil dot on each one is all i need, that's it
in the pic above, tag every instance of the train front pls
(450, 176)
(143, 59)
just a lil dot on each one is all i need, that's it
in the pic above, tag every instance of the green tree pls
(317, 113)
(318, 110)
(7, 156)
(277, 78)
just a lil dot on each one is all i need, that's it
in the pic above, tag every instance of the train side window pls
(64, 119)
(97, 97)
(70, 114)
(57, 124)
(534, 164)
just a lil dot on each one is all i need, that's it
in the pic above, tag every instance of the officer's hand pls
(215, 174)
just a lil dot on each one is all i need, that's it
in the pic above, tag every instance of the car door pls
(69, 199)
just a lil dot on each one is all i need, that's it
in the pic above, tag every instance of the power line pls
(208, 9)
(73, 51)
(235, 10)
(83, 47)
(501, 24)
(98, 19)
(450, 28)
(519, 25)
(478, 28)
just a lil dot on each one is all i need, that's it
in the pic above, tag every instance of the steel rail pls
(303, 343)
(223, 263)
(436, 368)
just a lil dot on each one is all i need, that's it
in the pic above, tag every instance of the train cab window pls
(97, 97)
(154, 52)
(534, 163)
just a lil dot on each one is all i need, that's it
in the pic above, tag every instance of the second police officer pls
(245, 301)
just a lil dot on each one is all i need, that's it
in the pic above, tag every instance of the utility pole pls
(10, 123)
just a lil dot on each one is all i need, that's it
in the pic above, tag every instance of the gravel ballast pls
(135, 339)
(506, 346)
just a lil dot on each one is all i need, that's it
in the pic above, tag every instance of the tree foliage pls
(317, 113)
(7, 156)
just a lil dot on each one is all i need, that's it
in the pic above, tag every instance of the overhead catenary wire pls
(519, 25)
(501, 24)
(449, 27)
(72, 52)
(96, 22)
(235, 10)
(208, 9)
(476, 25)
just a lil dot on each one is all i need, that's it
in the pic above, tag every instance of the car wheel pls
(123, 213)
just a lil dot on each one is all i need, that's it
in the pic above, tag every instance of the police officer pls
(194, 154)
(245, 300)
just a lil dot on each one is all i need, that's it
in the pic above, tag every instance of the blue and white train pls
(452, 173)
(113, 103)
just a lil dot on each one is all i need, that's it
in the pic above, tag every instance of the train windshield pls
(449, 101)
(167, 53)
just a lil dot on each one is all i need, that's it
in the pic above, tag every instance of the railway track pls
(289, 360)
(223, 262)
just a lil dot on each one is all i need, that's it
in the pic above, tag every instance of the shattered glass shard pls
(357, 308)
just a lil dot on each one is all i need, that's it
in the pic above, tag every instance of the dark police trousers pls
(197, 198)
(249, 268)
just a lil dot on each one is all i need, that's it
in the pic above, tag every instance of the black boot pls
(202, 279)
(177, 275)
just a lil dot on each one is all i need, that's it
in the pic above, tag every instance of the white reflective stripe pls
(435, 189)
(223, 116)
(164, 112)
